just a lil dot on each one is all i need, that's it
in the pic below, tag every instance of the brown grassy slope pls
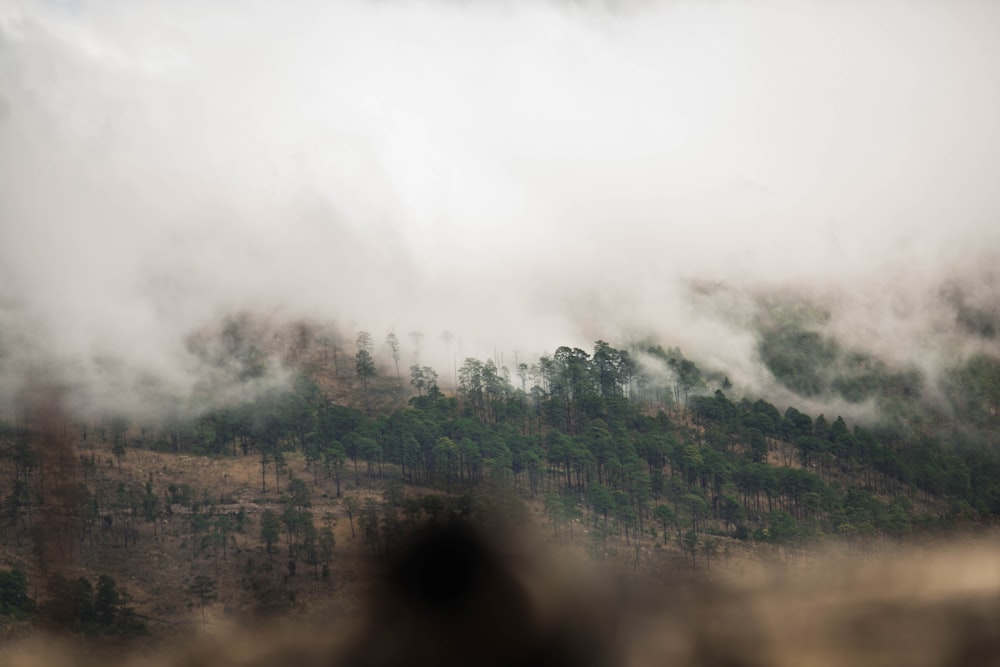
(155, 561)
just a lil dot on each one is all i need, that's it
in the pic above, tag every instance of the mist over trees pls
(573, 406)
(901, 257)
(592, 416)
(638, 454)
(267, 311)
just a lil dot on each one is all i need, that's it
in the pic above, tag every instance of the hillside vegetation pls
(637, 458)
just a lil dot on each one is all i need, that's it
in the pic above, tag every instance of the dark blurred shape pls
(453, 597)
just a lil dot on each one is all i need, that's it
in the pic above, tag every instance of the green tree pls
(369, 527)
(310, 548)
(571, 510)
(709, 549)
(106, 601)
(731, 511)
(690, 543)
(445, 460)
(554, 510)
(782, 527)
(392, 341)
(351, 507)
(607, 369)
(334, 460)
(666, 516)
(265, 460)
(423, 379)
(223, 527)
(412, 510)
(295, 528)
(150, 504)
(327, 542)
(697, 509)
(84, 614)
(975, 388)
(119, 429)
(199, 525)
(14, 600)
(371, 451)
(270, 530)
(298, 494)
(280, 466)
(364, 365)
(687, 376)
(203, 588)
(897, 519)
(600, 502)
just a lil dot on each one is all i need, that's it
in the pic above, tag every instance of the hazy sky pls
(524, 174)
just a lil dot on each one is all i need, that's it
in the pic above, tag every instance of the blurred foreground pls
(455, 596)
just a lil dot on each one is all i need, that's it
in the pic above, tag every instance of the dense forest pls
(623, 451)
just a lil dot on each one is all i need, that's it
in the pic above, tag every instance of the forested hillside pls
(634, 456)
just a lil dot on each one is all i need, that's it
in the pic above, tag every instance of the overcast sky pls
(524, 174)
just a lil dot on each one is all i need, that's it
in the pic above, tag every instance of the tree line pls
(632, 444)
(582, 424)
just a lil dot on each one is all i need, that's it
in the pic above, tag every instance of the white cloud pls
(525, 174)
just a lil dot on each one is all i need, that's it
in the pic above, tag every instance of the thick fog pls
(522, 174)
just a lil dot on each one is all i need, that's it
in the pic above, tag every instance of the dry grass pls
(935, 606)
(923, 606)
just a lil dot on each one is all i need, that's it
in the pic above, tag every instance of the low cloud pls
(524, 175)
